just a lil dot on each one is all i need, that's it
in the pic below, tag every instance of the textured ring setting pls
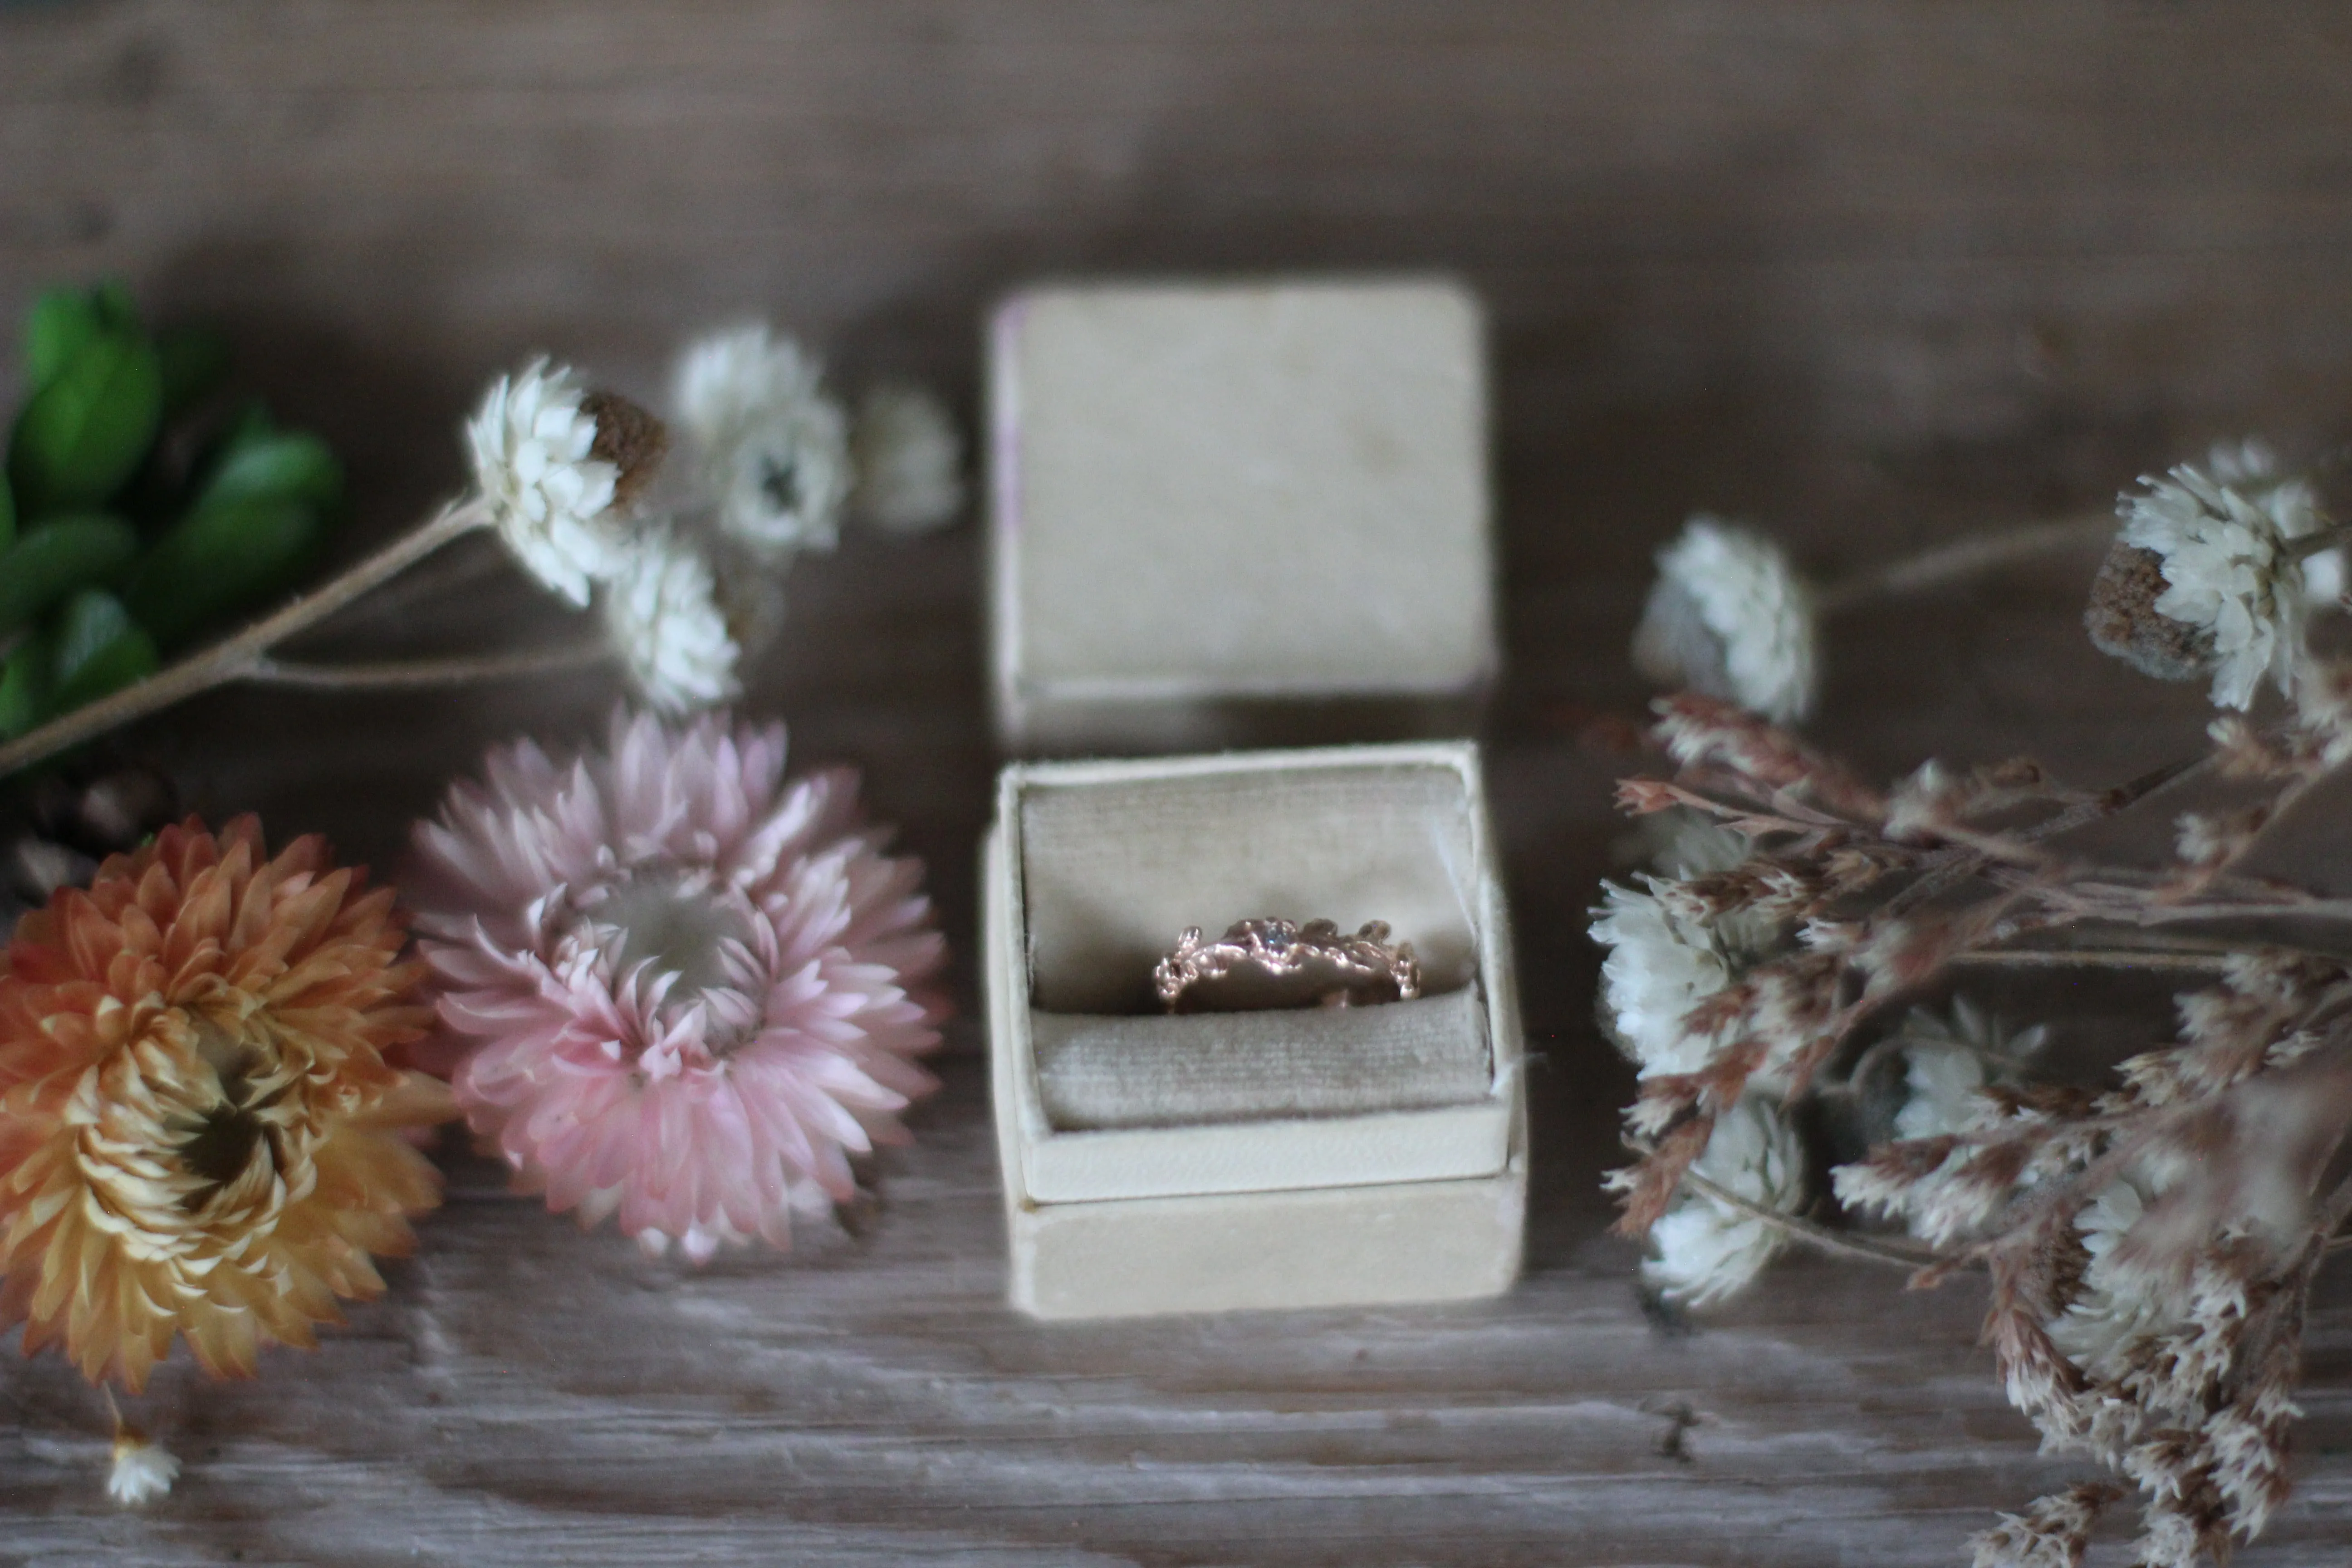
(1270, 963)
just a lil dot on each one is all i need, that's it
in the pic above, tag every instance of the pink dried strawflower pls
(686, 991)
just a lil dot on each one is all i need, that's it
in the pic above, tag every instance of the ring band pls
(1270, 963)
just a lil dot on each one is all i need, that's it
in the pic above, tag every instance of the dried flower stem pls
(1840, 1243)
(1965, 558)
(405, 673)
(2094, 958)
(237, 658)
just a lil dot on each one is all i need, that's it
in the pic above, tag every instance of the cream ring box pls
(1223, 511)
(1292, 1158)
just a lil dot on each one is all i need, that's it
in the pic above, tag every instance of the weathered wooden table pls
(1872, 272)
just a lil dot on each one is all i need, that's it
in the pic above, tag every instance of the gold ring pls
(1268, 964)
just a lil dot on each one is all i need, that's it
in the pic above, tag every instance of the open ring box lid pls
(1276, 1158)
(1238, 513)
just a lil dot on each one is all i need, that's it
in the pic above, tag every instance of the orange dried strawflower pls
(199, 1132)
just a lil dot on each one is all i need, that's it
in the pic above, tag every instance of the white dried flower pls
(2250, 465)
(661, 612)
(2235, 594)
(141, 1472)
(1943, 1084)
(2054, 1532)
(1692, 844)
(1659, 967)
(770, 444)
(1705, 1249)
(533, 442)
(1730, 617)
(909, 460)
(2114, 1305)
(1948, 1060)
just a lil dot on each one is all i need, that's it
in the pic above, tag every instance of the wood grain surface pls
(1870, 271)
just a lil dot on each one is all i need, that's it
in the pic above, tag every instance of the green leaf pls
(7, 514)
(295, 466)
(222, 557)
(116, 308)
(56, 558)
(84, 432)
(60, 324)
(24, 688)
(194, 361)
(96, 648)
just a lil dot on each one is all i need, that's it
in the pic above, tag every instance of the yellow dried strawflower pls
(199, 1131)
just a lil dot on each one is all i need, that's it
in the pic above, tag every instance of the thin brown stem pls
(1951, 868)
(2094, 958)
(235, 657)
(2289, 796)
(1905, 1258)
(404, 674)
(1965, 558)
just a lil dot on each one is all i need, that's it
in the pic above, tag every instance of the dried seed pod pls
(629, 437)
(2123, 619)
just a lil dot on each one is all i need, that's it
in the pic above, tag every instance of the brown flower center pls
(232, 1131)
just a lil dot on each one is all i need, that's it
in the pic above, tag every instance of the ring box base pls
(1329, 1247)
(1412, 1188)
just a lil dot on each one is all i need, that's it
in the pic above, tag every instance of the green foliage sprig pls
(135, 516)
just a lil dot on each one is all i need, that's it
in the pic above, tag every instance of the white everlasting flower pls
(1947, 1061)
(142, 1471)
(1692, 844)
(1730, 617)
(532, 441)
(1943, 1083)
(2230, 581)
(770, 444)
(662, 613)
(2251, 465)
(909, 460)
(1705, 1249)
(2115, 1306)
(1659, 967)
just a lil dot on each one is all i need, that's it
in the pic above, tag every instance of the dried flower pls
(2054, 1532)
(2114, 1304)
(1730, 617)
(2151, 1246)
(142, 1471)
(1689, 844)
(2251, 466)
(909, 460)
(197, 1123)
(1948, 1060)
(1660, 967)
(771, 445)
(1705, 1250)
(689, 991)
(556, 462)
(662, 613)
(2231, 597)
(2124, 622)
